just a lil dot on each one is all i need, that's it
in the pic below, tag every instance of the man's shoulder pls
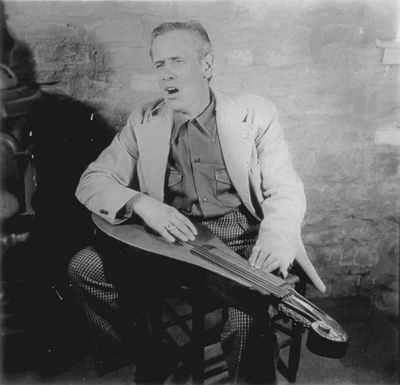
(142, 112)
(247, 100)
(254, 107)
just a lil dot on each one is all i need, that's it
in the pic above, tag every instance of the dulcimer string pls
(266, 281)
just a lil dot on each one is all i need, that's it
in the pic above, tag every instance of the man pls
(196, 155)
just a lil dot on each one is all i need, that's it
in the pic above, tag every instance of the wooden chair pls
(191, 322)
(199, 319)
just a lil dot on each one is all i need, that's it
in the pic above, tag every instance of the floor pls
(372, 356)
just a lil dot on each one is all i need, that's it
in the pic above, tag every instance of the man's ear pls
(208, 66)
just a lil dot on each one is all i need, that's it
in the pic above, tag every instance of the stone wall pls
(316, 60)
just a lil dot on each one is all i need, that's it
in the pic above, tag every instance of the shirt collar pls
(206, 120)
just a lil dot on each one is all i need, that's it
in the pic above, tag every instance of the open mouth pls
(171, 90)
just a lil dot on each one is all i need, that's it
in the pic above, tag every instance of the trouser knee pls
(86, 265)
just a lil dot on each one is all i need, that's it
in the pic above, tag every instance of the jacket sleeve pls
(282, 193)
(111, 181)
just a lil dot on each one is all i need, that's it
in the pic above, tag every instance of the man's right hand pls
(166, 220)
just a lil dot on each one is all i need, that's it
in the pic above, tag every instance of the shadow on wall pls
(41, 332)
(67, 136)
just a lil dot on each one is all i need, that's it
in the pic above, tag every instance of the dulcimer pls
(325, 336)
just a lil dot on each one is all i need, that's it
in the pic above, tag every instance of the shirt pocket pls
(175, 182)
(223, 182)
(225, 190)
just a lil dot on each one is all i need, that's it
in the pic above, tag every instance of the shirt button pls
(204, 199)
(245, 134)
(197, 160)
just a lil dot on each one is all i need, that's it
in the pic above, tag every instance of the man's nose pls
(168, 73)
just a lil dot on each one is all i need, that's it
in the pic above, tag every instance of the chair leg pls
(197, 354)
(193, 353)
(156, 312)
(294, 352)
(289, 370)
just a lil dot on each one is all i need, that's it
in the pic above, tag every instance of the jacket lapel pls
(153, 142)
(237, 138)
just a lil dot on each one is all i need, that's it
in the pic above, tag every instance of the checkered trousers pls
(98, 299)
(250, 347)
(248, 344)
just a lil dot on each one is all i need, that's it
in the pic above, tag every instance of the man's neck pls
(201, 106)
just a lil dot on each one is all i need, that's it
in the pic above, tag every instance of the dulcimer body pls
(228, 276)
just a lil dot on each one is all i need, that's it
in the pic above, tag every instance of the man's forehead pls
(173, 43)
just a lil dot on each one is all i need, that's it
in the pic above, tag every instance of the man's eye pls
(159, 65)
(178, 61)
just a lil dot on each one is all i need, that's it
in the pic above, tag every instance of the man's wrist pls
(129, 209)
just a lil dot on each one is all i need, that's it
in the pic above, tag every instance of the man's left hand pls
(270, 261)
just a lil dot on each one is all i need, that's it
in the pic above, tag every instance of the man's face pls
(182, 77)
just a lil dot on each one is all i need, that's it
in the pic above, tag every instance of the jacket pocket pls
(256, 181)
(255, 169)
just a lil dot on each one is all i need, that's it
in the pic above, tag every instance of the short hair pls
(199, 34)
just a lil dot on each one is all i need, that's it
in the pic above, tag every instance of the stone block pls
(50, 9)
(333, 134)
(160, 10)
(359, 230)
(388, 136)
(312, 219)
(50, 30)
(385, 293)
(345, 286)
(342, 167)
(347, 258)
(126, 59)
(326, 258)
(241, 57)
(329, 196)
(130, 32)
(387, 301)
(389, 190)
(360, 192)
(361, 271)
(366, 255)
(145, 83)
(387, 162)
(324, 237)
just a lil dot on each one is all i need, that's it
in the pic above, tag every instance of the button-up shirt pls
(197, 182)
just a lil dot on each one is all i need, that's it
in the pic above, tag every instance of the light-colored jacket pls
(256, 157)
